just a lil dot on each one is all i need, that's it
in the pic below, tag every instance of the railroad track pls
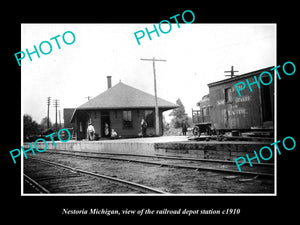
(74, 173)
(172, 161)
(34, 185)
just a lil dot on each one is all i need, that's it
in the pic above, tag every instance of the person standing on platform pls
(184, 128)
(106, 130)
(144, 127)
(91, 132)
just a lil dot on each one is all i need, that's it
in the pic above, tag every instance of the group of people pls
(107, 133)
(113, 133)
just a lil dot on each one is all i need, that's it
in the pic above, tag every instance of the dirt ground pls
(172, 180)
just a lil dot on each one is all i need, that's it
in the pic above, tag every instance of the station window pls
(127, 119)
(228, 95)
(150, 118)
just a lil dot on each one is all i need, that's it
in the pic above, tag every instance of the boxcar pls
(224, 110)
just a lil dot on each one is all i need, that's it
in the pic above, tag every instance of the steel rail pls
(129, 184)
(197, 168)
(38, 187)
(157, 156)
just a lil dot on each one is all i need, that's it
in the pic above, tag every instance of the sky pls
(195, 54)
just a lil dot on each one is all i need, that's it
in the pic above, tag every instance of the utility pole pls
(59, 119)
(89, 97)
(56, 104)
(231, 72)
(155, 91)
(48, 119)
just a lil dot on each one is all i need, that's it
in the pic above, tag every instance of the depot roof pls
(122, 96)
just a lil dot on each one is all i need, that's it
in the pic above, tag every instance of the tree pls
(179, 115)
(180, 111)
(44, 123)
(30, 126)
(166, 126)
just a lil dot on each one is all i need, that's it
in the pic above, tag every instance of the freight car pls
(223, 110)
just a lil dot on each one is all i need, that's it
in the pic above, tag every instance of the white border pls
(209, 194)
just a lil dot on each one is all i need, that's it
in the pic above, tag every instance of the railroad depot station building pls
(122, 107)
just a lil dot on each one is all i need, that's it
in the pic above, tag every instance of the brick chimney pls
(108, 82)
